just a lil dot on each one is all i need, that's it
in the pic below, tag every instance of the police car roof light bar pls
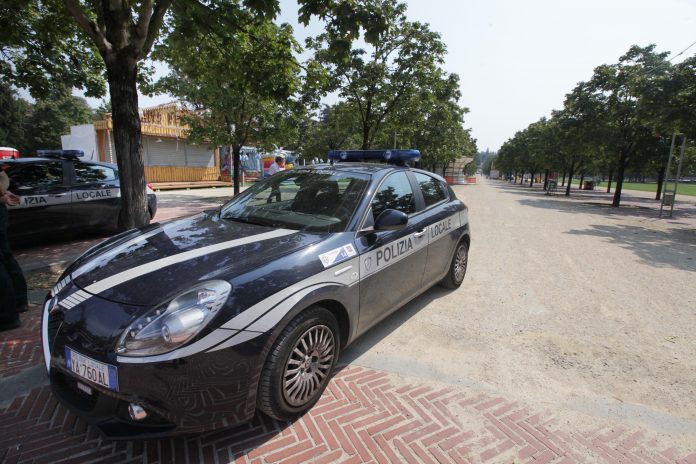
(399, 157)
(61, 153)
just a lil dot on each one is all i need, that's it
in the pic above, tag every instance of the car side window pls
(394, 193)
(38, 175)
(433, 190)
(89, 173)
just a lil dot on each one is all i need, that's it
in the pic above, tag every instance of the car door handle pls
(420, 232)
(56, 195)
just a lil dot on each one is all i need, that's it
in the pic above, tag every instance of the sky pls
(517, 59)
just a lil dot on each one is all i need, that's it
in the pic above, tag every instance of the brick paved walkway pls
(364, 416)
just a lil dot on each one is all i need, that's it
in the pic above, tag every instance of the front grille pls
(54, 321)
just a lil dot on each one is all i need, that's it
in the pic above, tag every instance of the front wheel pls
(299, 365)
(457, 270)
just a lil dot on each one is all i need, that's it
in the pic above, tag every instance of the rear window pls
(89, 173)
(35, 175)
(433, 190)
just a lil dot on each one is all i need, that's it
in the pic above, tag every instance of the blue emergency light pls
(387, 156)
(61, 153)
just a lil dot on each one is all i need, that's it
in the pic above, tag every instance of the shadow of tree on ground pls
(672, 248)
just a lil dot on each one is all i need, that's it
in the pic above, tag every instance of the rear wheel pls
(457, 270)
(299, 365)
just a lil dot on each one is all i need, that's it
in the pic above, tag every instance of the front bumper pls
(200, 392)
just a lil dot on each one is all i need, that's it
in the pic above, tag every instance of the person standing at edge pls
(13, 287)
(278, 166)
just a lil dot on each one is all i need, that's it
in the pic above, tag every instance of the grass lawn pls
(683, 189)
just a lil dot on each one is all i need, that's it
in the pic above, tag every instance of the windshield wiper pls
(244, 220)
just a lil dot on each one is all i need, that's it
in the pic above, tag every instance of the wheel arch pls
(341, 314)
(341, 300)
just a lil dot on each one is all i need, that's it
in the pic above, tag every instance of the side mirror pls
(391, 219)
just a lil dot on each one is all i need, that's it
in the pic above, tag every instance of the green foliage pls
(41, 49)
(401, 58)
(52, 117)
(489, 164)
(433, 121)
(30, 127)
(234, 94)
(622, 117)
(338, 127)
(13, 114)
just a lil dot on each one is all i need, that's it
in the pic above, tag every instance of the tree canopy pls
(622, 118)
(233, 96)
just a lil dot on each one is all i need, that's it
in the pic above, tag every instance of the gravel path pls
(567, 304)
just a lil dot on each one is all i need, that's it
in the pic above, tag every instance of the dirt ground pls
(577, 307)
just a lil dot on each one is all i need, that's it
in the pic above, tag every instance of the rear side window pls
(89, 173)
(394, 193)
(32, 176)
(433, 190)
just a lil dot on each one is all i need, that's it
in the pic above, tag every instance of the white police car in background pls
(61, 194)
(196, 323)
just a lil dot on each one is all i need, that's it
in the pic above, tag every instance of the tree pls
(117, 36)
(377, 79)
(13, 113)
(620, 96)
(433, 122)
(234, 96)
(41, 51)
(52, 117)
(337, 127)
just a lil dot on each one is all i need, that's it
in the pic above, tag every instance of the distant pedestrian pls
(13, 286)
(279, 165)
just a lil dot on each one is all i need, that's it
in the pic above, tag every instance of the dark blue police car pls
(196, 323)
(61, 194)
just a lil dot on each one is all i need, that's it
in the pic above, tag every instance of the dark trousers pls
(13, 286)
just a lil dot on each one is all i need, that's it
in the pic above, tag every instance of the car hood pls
(148, 266)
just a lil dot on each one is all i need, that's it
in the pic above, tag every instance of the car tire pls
(294, 376)
(457, 269)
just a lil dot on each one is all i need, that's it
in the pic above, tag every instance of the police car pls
(197, 323)
(60, 194)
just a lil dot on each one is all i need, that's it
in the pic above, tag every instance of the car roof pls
(34, 159)
(369, 168)
(366, 168)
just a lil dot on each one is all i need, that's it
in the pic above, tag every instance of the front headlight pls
(172, 324)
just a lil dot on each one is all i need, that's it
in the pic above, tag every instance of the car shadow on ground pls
(223, 445)
(392, 322)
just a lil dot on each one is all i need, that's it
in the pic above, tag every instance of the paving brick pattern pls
(364, 416)
(21, 348)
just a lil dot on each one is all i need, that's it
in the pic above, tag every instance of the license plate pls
(97, 372)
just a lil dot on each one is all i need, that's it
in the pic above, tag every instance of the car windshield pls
(315, 200)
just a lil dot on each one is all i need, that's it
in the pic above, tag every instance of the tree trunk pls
(531, 180)
(582, 179)
(127, 142)
(366, 137)
(570, 179)
(236, 152)
(564, 178)
(546, 179)
(619, 178)
(611, 176)
(660, 181)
